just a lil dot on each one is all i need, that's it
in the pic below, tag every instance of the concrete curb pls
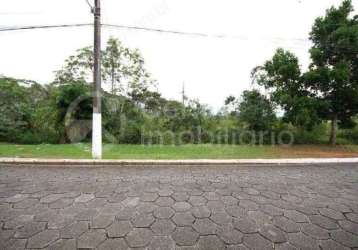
(89, 162)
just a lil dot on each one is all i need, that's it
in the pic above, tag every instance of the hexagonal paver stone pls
(97, 203)
(205, 227)
(86, 214)
(331, 244)
(60, 221)
(323, 222)
(333, 214)
(64, 244)
(26, 203)
(163, 227)
(61, 203)
(259, 217)
(349, 226)
(314, 231)
(143, 220)
(216, 206)
(163, 212)
(185, 236)
(212, 196)
(183, 219)
(162, 243)
(295, 216)
(13, 244)
(248, 205)
(221, 218)
(91, 239)
(273, 233)
(181, 206)
(352, 217)
(230, 235)
(211, 242)
(43, 239)
(245, 225)
(340, 207)
(229, 200)
(197, 201)
(164, 201)
(165, 192)
(146, 207)
(139, 237)
(236, 211)
(84, 198)
(196, 192)
(115, 198)
(201, 212)
(119, 229)
(236, 247)
(284, 246)
(74, 230)
(113, 244)
(345, 238)
(286, 225)
(18, 221)
(102, 221)
(130, 202)
(30, 229)
(180, 196)
(271, 210)
(51, 198)
(126, 214)
(302, 241)
(251, 191)
(256, 242)
(149, 197)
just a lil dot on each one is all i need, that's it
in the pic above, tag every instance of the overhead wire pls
(156, 30)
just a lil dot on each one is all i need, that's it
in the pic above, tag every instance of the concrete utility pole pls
(183, 94)
(97, 114)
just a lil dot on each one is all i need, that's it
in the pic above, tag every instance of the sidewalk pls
(206, 162)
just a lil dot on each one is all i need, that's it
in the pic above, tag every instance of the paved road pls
(224, 207)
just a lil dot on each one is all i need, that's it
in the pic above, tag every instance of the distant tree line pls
(317, 105)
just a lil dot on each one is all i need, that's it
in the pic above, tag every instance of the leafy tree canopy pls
(123, 69)
(257, 111)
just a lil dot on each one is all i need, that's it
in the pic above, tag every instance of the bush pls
(349, 136)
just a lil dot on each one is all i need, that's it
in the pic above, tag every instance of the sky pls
(211, 68)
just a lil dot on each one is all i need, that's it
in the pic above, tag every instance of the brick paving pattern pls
(223, 207)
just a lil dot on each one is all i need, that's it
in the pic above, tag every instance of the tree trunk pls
(112, 76)
(333, 137)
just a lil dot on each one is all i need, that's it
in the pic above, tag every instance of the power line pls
(223, 36)
(138, 28)
(18, 13)
(44, 27)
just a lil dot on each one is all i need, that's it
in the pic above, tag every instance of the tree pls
(73, 105)
(257, 111)
(26, 116)
(283, 78)
(14, 108)
(122, 69)
(329, 89)
(333, 74)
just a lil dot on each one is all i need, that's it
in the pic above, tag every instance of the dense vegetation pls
(318, 105)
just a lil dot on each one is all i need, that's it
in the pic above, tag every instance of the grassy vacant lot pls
(83, 151)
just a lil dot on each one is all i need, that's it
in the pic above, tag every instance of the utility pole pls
(97, 114)
(183, 94)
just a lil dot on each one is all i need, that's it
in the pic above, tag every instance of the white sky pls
(211, 68)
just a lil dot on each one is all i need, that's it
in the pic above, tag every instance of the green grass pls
(111, 151)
